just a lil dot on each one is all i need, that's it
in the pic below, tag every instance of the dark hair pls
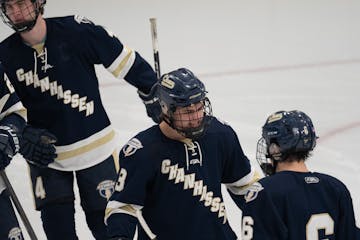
(297, 157)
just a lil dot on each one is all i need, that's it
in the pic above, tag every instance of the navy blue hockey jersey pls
(9, 105)
(298, 206)
(177, 185)
(56, 82)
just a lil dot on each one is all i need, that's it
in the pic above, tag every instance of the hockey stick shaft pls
(18, 206)
(155, 46)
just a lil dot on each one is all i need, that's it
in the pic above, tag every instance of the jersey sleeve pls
(236, 165)
(237, 171)
(135, 176)
(12, 111)
(120, 60)
(346, 218)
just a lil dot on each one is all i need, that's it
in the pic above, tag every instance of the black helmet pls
(181, 88)
(284, 133)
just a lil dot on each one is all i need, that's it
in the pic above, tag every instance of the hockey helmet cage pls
(31, 14)
(181, 88)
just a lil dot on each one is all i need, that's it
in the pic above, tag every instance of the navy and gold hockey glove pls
(37, 146)
(151, 102)
(9, 145)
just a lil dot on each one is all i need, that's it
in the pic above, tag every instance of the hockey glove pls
(151, 102)
(9, 145)
(37, 146)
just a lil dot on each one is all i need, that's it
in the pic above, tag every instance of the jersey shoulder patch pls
(81, 19)
(131, 147)
(253, 191)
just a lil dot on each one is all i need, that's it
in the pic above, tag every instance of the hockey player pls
(51, 65)
(12, 122)
(171, 173)
(294, 203)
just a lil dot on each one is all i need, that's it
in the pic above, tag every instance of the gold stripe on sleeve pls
(122, 64)
(101, 141)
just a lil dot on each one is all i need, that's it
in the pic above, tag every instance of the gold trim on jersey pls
(4, 100)
(255, 178)
(101, 141)
(125, 209)
(116, 160)
(122, 64)
(17, 108)
(22, 112)
(114, 207)
(241, 186)
(38, 47)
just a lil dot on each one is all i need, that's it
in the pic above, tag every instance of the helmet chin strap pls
(24, 26)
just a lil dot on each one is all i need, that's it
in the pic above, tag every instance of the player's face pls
(189, 117)
(19, 11)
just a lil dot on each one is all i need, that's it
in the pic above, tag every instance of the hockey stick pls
(18, 206)
(155, 46)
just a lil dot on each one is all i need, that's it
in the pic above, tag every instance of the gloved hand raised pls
(37, 146)
(151, 102)
(9, 145)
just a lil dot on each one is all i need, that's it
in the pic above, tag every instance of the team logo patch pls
(167, 82)
(252, 192)
(106, 188)
(80, 19)
(310, 180)
(15, 234)
(274, 117)
(131, 147)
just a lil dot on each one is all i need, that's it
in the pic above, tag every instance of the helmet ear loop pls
(166, 113)
(207, 107)
(170, 115)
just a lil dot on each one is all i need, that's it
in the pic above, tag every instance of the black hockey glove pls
(9, 145)
(37, 146)
(151, 102)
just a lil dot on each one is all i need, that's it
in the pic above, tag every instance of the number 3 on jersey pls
(119, 186)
